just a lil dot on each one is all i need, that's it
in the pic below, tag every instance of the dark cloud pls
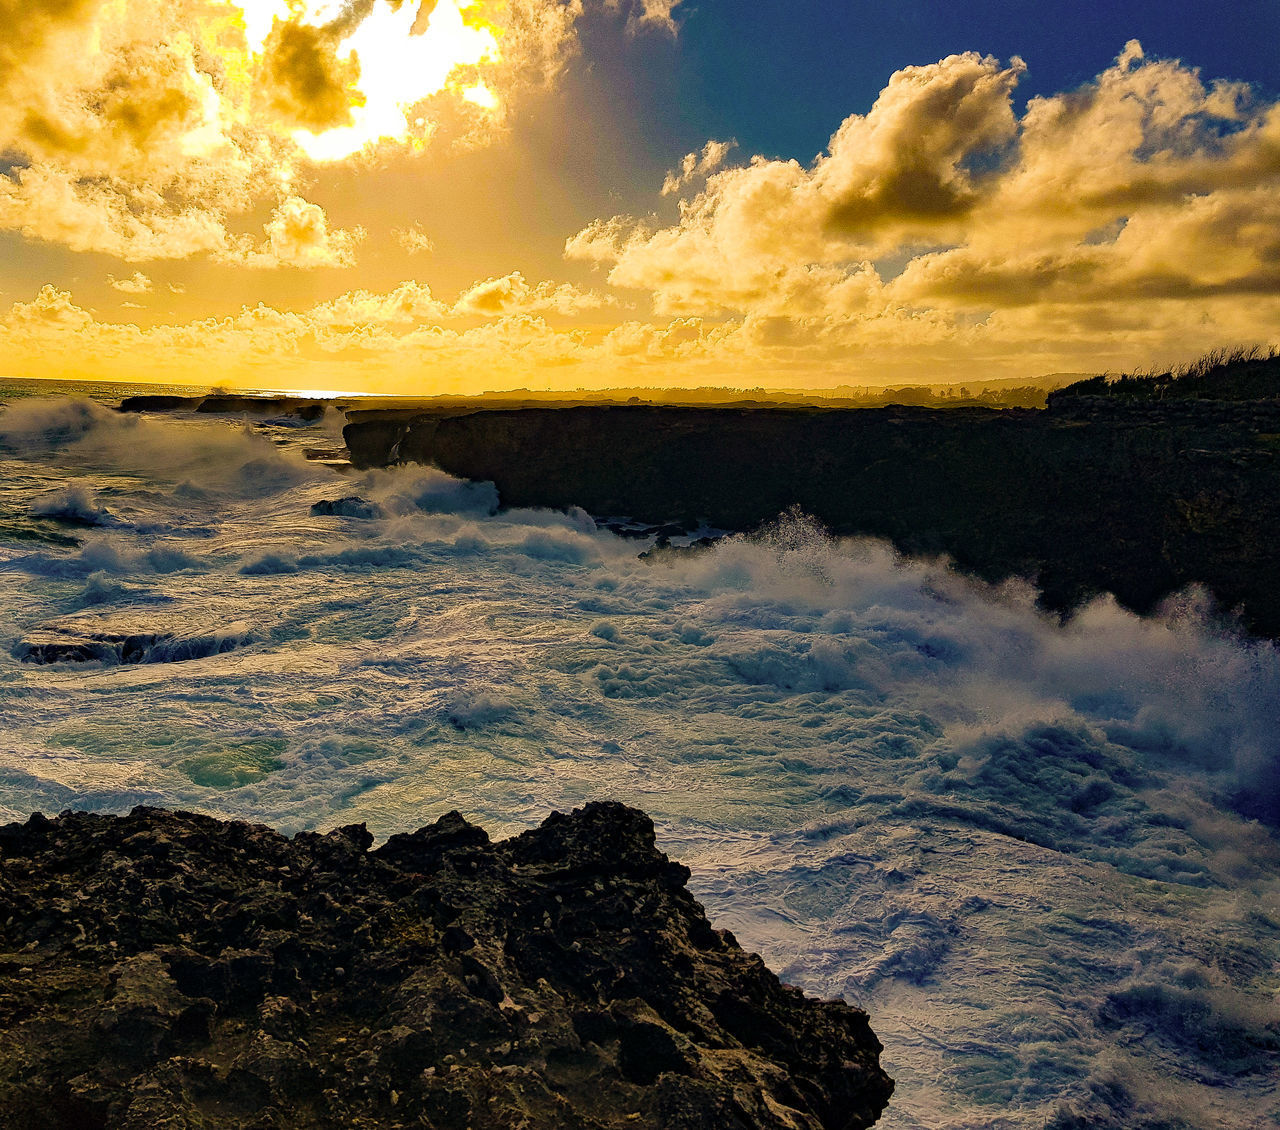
(305, 82)
(912, 157)
(28, 25)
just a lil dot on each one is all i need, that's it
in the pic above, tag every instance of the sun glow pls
(259, 15)
(403, 58)
(480, 95)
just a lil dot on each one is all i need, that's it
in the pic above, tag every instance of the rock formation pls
(129, 636)
(287, 406)
(1090, 496)
(172, 970)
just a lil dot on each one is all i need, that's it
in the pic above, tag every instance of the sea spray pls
(994, 830)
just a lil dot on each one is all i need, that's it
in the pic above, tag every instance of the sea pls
(1019, 843)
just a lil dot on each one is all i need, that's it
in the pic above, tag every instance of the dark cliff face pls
(165, 969)
(1138, 501)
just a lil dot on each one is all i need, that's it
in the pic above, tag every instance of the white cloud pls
(137, 283)
(512, 294)
(697, 165)
(1082, 226)
(414, 240)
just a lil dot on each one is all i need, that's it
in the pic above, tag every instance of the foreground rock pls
(171, 970)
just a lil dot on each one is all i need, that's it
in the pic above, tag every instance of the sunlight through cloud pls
(402, 62)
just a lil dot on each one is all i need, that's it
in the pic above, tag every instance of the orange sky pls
(459, 196)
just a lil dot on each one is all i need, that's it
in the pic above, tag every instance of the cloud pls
(137, 283)
(1144, 198)
(120, 131)
(385, 340)
(1145, 184)
(409, 304)
(647, 14)
(697, 165)
(903, 173)
(130, 222)
(909, 168)
(149, 130)
(51, 309)
(304, 81)
(512, 294)
(414, 240)
(406, 339)
(298, 235)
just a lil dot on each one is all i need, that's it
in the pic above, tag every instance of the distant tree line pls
(980, 395)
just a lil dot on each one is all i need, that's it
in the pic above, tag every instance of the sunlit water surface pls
(1015, 843)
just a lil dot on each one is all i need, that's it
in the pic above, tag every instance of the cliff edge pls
(1139, 500)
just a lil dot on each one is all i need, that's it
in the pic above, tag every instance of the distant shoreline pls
(1005, 392)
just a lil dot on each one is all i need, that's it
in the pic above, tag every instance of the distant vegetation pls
(993, 394)
(1001, 393)
(1006, 392)
(1242, 373)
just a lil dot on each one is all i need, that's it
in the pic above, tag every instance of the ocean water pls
(1024, 847)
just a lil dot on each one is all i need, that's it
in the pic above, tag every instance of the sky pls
(442, 196)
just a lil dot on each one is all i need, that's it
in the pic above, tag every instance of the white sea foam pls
(73, 503)
(1017, 843)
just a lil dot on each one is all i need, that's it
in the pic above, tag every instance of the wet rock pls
(156, 402)
(128, 636)
(263, 406)
(288, 408)
(168, 969)
(664, 551)
(352, 506)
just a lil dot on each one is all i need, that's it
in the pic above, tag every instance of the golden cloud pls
(409, 304)
(406, 340)
(52, 309)
(414, 240)
(304, 81)
(138, 283)
(1136, 218)
(1146, 187)
(694, 166)
(149, 129)
(512, 294)
(298, 235)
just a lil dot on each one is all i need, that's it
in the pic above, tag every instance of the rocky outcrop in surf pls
(167, 969)
(129, 636)
(230, 404)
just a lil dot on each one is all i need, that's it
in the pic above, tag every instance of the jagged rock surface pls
(172, 970)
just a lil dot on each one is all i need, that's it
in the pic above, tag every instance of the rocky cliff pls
(171, 970)
(1089, 497)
